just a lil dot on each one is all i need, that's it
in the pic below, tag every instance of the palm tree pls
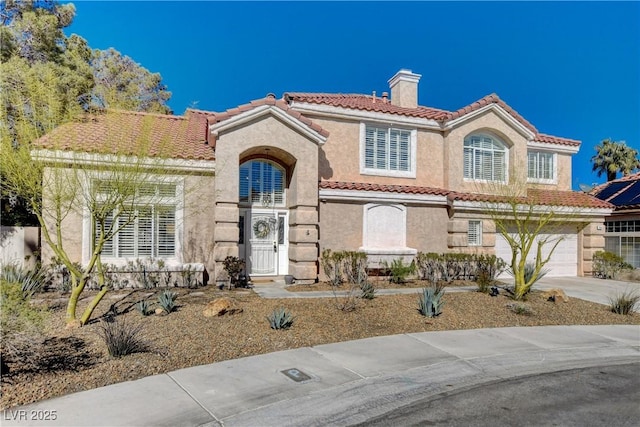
(613, 157)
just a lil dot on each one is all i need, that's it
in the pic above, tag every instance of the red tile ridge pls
(389, 188)
(539, 197)
(550, 139)
(269, 100)
(487, 100)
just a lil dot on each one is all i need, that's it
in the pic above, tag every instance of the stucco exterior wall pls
(71, 226)
(340, 156)
(19, 246)
(425, 226)
(490, 123)
(341, 226)
(198, 239)
(299, 155)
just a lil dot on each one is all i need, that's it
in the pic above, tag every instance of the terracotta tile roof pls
(487, 100)
(382, 105)
(540, 197)
(366, 103)
(270, 99)
(123, 132)
(550, 139)
(361, 186)
(623, 192)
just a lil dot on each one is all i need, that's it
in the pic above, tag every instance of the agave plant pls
(430, 301)
(167, 300)
(280, 319)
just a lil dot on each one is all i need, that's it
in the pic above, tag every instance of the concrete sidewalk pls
(588, 288)
(341, 383)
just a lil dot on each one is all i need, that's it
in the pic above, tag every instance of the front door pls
(267, 250)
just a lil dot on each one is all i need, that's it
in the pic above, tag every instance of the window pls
(388, 151)
(261, 183)
(540, 166)
(147, 230)
(628, 247)
(484, 158)
(623, 226)
(474, 234)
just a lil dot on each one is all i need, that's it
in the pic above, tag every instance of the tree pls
(122, 83)
(528, 227)
(46, 78)
(60, 185)
(613, 157)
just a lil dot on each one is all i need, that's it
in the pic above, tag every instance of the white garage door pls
(564, 261)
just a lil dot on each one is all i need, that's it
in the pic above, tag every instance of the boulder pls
(219, 307)
(555, 294)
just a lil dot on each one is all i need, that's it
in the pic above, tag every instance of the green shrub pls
(368, 291)
(331, 263)
(430, 301)
(520, 308)
(399, 271)
(529, 271)
(21, 325)
(122, 338)
(144, 307)
(608, 265)
(280, 319)
(233, 266)
(487, 268)
(624, 302)
(354, 266)
(428, 266)
(167, 300)
(31, 281)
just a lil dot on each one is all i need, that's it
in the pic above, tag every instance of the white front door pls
(267, 250)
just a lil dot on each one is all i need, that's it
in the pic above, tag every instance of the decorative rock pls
(220, 306)
(159, 310)
(554, 294)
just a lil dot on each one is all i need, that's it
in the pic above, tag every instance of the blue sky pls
(571, 68)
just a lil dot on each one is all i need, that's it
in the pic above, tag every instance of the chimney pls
(404, 89)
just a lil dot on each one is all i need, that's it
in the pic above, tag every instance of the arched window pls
(485, 158)
(261, 183)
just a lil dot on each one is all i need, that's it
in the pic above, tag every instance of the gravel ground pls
(378, 282)
(186, 338)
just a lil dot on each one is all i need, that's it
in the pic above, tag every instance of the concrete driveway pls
(588, 288)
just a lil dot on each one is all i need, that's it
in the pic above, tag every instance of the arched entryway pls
(264, 217)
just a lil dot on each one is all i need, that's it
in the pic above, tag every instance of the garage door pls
(564, 261)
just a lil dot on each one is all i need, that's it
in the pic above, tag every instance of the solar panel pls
(630, 196)
(612, 189)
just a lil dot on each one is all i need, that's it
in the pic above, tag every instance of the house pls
(276, 181)
(622, 227)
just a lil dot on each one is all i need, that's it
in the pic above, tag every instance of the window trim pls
(413, 136)
(554, 159)
(477, 223)
(177, 202)
(494, 138)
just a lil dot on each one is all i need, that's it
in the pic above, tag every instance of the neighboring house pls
(276, 181)
(622, 227)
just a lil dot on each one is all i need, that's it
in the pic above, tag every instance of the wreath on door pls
(261, 228)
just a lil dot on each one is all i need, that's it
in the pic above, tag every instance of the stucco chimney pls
(404, 89)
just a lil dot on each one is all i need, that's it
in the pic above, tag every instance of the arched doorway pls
(264, 218)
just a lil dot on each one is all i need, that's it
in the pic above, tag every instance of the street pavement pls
(349, 382)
